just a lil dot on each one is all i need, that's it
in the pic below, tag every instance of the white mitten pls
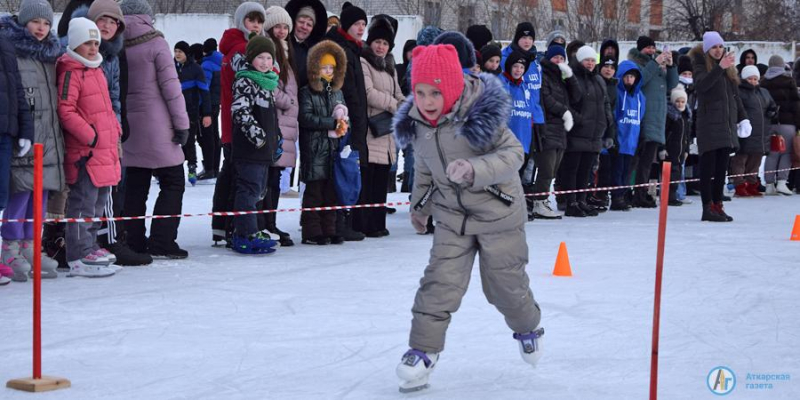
(24, 147)
(568, 121)
(744, 129)
(566, 71)
(460, 171)
(662, 155)
(419, 221)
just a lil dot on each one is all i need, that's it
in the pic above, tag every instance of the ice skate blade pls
(412, 387)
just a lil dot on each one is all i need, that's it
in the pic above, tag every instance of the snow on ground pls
(332, 322)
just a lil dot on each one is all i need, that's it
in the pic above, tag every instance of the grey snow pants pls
(502, 257)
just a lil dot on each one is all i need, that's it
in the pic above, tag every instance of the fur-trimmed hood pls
(320, 26)
(699, 57)
(483, 107)
(382, 64)
(674, 114)
(26, 45)
(314, 59)
(108, 49)
(638, 57)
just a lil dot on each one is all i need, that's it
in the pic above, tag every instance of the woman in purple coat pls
(156, 115)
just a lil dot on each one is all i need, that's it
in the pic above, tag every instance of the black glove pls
(181, 136)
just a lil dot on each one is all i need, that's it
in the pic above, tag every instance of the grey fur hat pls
(242, 11)
(136, 7)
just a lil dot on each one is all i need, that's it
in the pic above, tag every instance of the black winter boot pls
(54, 242)
(574, 210)
(710, 214)
(344, 227)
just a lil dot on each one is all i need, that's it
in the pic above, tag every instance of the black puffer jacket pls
(557, 95)
(354, 90)
(593, 117)
(783, 90)
(760, 109)
(15, 115)
(317, 101)
(719, 107)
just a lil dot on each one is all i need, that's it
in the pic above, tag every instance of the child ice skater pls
(91, 134)
(466, 175)
(256, 141)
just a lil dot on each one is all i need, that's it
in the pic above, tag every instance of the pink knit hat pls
(438, 66)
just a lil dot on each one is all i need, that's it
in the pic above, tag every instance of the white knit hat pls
(750, 70)
(586, 52)
(82, 30)
(277, 15)
(678, 93)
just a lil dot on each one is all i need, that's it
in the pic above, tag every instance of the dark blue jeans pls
(6, 149)
(621, 173)
(251, 186)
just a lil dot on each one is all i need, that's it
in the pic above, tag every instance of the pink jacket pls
(288, 107)
(91, 130)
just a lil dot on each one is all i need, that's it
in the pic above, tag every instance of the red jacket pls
(90, 126)
(233, 42)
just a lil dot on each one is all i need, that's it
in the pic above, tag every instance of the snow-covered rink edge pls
(332, 322)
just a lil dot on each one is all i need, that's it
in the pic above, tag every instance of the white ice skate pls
(542, 209)
(781, 188)
(414, 369)
(4, 280)
(12, 257)
(49, 265)
(78, 268)
(530, 345)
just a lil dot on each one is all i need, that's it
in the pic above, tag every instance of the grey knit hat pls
(136, 7)
(242, 11)
(32, 9)
(777, 61)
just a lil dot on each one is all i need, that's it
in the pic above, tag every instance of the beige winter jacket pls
(476, 131)
(383, 94)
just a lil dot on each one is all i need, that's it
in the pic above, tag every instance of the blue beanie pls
(555, 50)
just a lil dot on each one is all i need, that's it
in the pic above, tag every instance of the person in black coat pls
(591, 132)
(198, 102)
(560, 88)
(16, 121)
(310, 24)
(720, 117)
(408, 48)
(348, 36)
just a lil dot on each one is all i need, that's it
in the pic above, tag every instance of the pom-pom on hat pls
(438, 66)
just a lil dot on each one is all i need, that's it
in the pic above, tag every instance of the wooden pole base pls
(46, 384)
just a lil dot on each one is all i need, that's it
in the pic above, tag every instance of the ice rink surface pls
(332, 322)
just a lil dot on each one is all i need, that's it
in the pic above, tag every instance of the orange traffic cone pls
(796, 229)
(562, 267)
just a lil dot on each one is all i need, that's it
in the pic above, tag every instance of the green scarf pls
(267, 80)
